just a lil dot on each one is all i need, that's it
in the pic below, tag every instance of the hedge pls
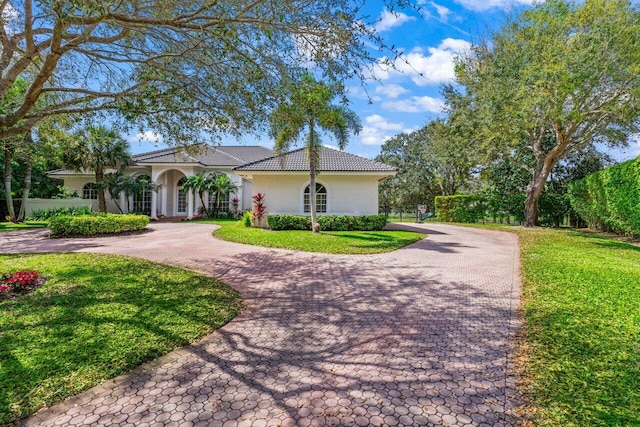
(460, 208)
(609, 200)
(45, 214)
(91, 225)
(328, 222)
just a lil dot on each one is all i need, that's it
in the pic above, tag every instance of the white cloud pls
(377, 130)
(390, 90)
(443, 12)
(360, 93)
(435, 66)
(482, 5)
(146, 136)
(389, 20)
(415, 104)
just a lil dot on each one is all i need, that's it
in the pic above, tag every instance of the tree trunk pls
(26, 189)
(312, 189)
(531, 202)
(8, 156)
(102, 203)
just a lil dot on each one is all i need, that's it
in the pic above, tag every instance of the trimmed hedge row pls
(610, 199)
(328, 223)
(552, 207)
(91, 225)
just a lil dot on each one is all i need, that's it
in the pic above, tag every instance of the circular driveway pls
(419, 336)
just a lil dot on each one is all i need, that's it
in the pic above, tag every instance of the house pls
(346, 184)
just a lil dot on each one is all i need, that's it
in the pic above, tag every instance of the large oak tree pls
(179, 67)
(569, 69)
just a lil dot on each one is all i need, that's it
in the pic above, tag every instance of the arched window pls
(182, 197)
(321, 199)
(142, 197)
(89, 191)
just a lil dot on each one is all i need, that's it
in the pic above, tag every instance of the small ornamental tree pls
(259, 212)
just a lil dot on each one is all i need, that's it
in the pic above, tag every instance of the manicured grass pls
(331, 242)
(10, 226)
(96, 317)
(582, 309)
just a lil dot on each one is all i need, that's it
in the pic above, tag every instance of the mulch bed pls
(23, 290)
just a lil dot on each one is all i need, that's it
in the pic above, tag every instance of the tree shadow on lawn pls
(73, 336)
(336, 338)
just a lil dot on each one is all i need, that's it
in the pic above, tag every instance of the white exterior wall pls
(78, 182)
(346, 194)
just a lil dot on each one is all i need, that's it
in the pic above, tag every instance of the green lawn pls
(582, 309)
(332, 242)
(10, 226)
(96, 317)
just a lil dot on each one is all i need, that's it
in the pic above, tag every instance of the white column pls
(206, 200)
(123, 205)
(189, 204)
(239, 196)
(154, 204)
(163, 210)
(196, 203)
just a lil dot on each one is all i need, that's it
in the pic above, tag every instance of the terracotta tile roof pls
(330, 161)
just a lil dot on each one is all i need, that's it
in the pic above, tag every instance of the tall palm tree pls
(97, 148)
(309, 107)
(200, 183)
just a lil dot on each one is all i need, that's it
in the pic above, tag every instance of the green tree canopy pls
(174, 66)
(571, 69)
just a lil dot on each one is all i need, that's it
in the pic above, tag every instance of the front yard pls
(96, 317)
(581, 301)
(331, 242)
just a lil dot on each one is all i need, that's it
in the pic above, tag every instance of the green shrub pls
(328, 223)
(91, 225)
(246, 218)
(610, 199)
(45, 214)
(460, 208)
(289, 222)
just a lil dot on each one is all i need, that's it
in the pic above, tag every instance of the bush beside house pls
(328, 222)
(91, 225)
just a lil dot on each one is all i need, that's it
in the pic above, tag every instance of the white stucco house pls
(346, 184)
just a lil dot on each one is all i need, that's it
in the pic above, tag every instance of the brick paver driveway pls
(420, 336)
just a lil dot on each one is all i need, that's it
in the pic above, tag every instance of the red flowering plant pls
(19, 281)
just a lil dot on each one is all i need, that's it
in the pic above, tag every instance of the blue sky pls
(406, 98)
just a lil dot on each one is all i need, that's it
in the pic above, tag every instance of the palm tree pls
(200, 183)
(222, 185)
(309, 107)
(97, 148)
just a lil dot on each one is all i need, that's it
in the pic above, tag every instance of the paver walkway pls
(419, 336)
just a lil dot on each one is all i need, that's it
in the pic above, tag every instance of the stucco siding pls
(346, 194)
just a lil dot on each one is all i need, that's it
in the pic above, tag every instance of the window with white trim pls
(321, 199)
(223, 202)
(89, 191)
(142, 200)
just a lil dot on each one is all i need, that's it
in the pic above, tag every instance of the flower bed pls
(19, 283)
